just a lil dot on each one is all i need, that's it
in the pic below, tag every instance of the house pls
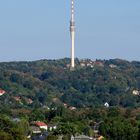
(65, 105)
(136, 92)
(72, 108)
(29, 101)
(98, 63)
(100, 138)
(81, 137)
(35, 130)
(112, 66)
(17, 98)
(2, 92)
(52, 127)
(82, 64)
(89, 65)
(41, 125)
(106, 104)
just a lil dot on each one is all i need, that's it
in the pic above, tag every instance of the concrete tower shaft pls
(72, 31)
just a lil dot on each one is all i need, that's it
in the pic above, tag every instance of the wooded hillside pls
(92, 83)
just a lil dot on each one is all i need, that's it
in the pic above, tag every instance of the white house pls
(106, 104)
(52, 127)
(112, 66)
(136, 92)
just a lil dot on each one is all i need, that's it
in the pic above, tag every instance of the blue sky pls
(39, 29)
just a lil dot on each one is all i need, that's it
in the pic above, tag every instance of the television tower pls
(72, 32)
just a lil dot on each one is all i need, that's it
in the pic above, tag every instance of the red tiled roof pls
(40, 124)
(2, 91)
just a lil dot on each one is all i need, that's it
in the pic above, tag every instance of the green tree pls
(52, 137)
(5, 136)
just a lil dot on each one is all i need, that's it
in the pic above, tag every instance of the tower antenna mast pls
(72, 32)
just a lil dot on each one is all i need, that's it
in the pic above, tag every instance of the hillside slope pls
(92, 83)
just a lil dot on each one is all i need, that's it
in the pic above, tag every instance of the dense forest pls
(49, 91)
(91, 84)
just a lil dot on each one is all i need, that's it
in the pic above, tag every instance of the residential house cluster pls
(37, 126)
(90, 63)
(19, 99)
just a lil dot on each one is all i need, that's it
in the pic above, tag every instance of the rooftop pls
(40, 123)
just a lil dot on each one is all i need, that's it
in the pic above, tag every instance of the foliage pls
(12, 131)
(38, 90)
(44, 80)
(119, 130)
(52, 137)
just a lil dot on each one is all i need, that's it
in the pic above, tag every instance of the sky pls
(39, 29)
